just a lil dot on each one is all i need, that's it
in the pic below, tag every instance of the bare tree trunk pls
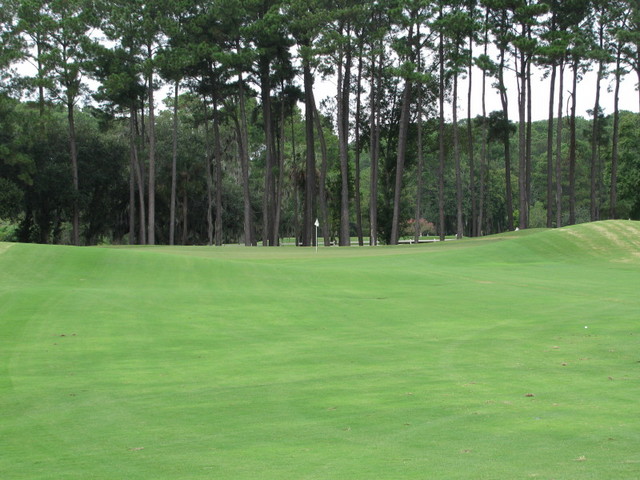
(357, 145)
(559, 148)
(209, 174)
(441, 226)
(217, 153)
(572, 147)
(550, 146)
(507, 148)
(528, 165)
(297, 230)
(344, 88)
(472, 168)
(174, 162)
(269, 180)
(594, 144)
(456, 154)
(151, 230)
(420, 186)
(40, 46)
(243, 143)
(522, 140)
(75, 234)
(280, 180)
(308, 229)
(374, 147)
(185, 211)
(616, 135)
(142, 237)
(485, 129)
(132, 197)
(402, 149)
(322, 193)
(420, 181)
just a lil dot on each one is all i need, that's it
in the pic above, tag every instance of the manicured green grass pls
(460, 360)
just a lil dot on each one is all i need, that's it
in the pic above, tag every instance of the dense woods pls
(154, 122)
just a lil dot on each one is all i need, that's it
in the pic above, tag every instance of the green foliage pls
(16, 166)
(629, 173)
(11, 198)
(43, 198)
(538, 216)
(8, 231)
(204, 48)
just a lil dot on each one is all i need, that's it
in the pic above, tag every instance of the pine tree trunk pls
(217, 154)
(279, 187)
(374, 147)
(572, 148)
(456, 154)
(185, 212)
(297, 229)
(132, 198)
(344, 88)
(402, 149)
(308, 228)
(507, 147)
(151, 229)
(209, 172)
(441, 94)
(552, 85)
(614, 150)
(559, 147)
(322, 183)
(174, 162)
(75, 234)
(528, 165)
(420, 181)
(142, 237)
(522, 143)
(358, 199)
(594, 147)
(243, 143)
(485, 130)
(269, 180)
(470, 148)
(40, 47)
(209, 179)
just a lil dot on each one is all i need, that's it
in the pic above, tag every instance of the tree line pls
(241, 150)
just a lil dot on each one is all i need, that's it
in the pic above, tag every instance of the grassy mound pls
(617, 241)
(460, 360)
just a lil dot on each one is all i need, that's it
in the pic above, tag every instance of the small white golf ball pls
(586, 326)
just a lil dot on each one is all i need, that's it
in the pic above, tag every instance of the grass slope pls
(461, 360)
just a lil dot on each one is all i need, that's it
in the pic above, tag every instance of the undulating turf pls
(462, 360)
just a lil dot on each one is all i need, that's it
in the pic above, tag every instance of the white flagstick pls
(317, 224)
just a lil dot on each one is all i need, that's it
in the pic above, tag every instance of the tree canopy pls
(209, 123)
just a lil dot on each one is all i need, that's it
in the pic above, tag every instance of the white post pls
(317, 224)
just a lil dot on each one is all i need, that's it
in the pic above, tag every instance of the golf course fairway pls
(508, 357)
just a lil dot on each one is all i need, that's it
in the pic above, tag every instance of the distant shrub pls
(426, 228)
(8, 231)
(538, 216)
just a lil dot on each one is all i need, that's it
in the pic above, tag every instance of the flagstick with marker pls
(317, 224)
